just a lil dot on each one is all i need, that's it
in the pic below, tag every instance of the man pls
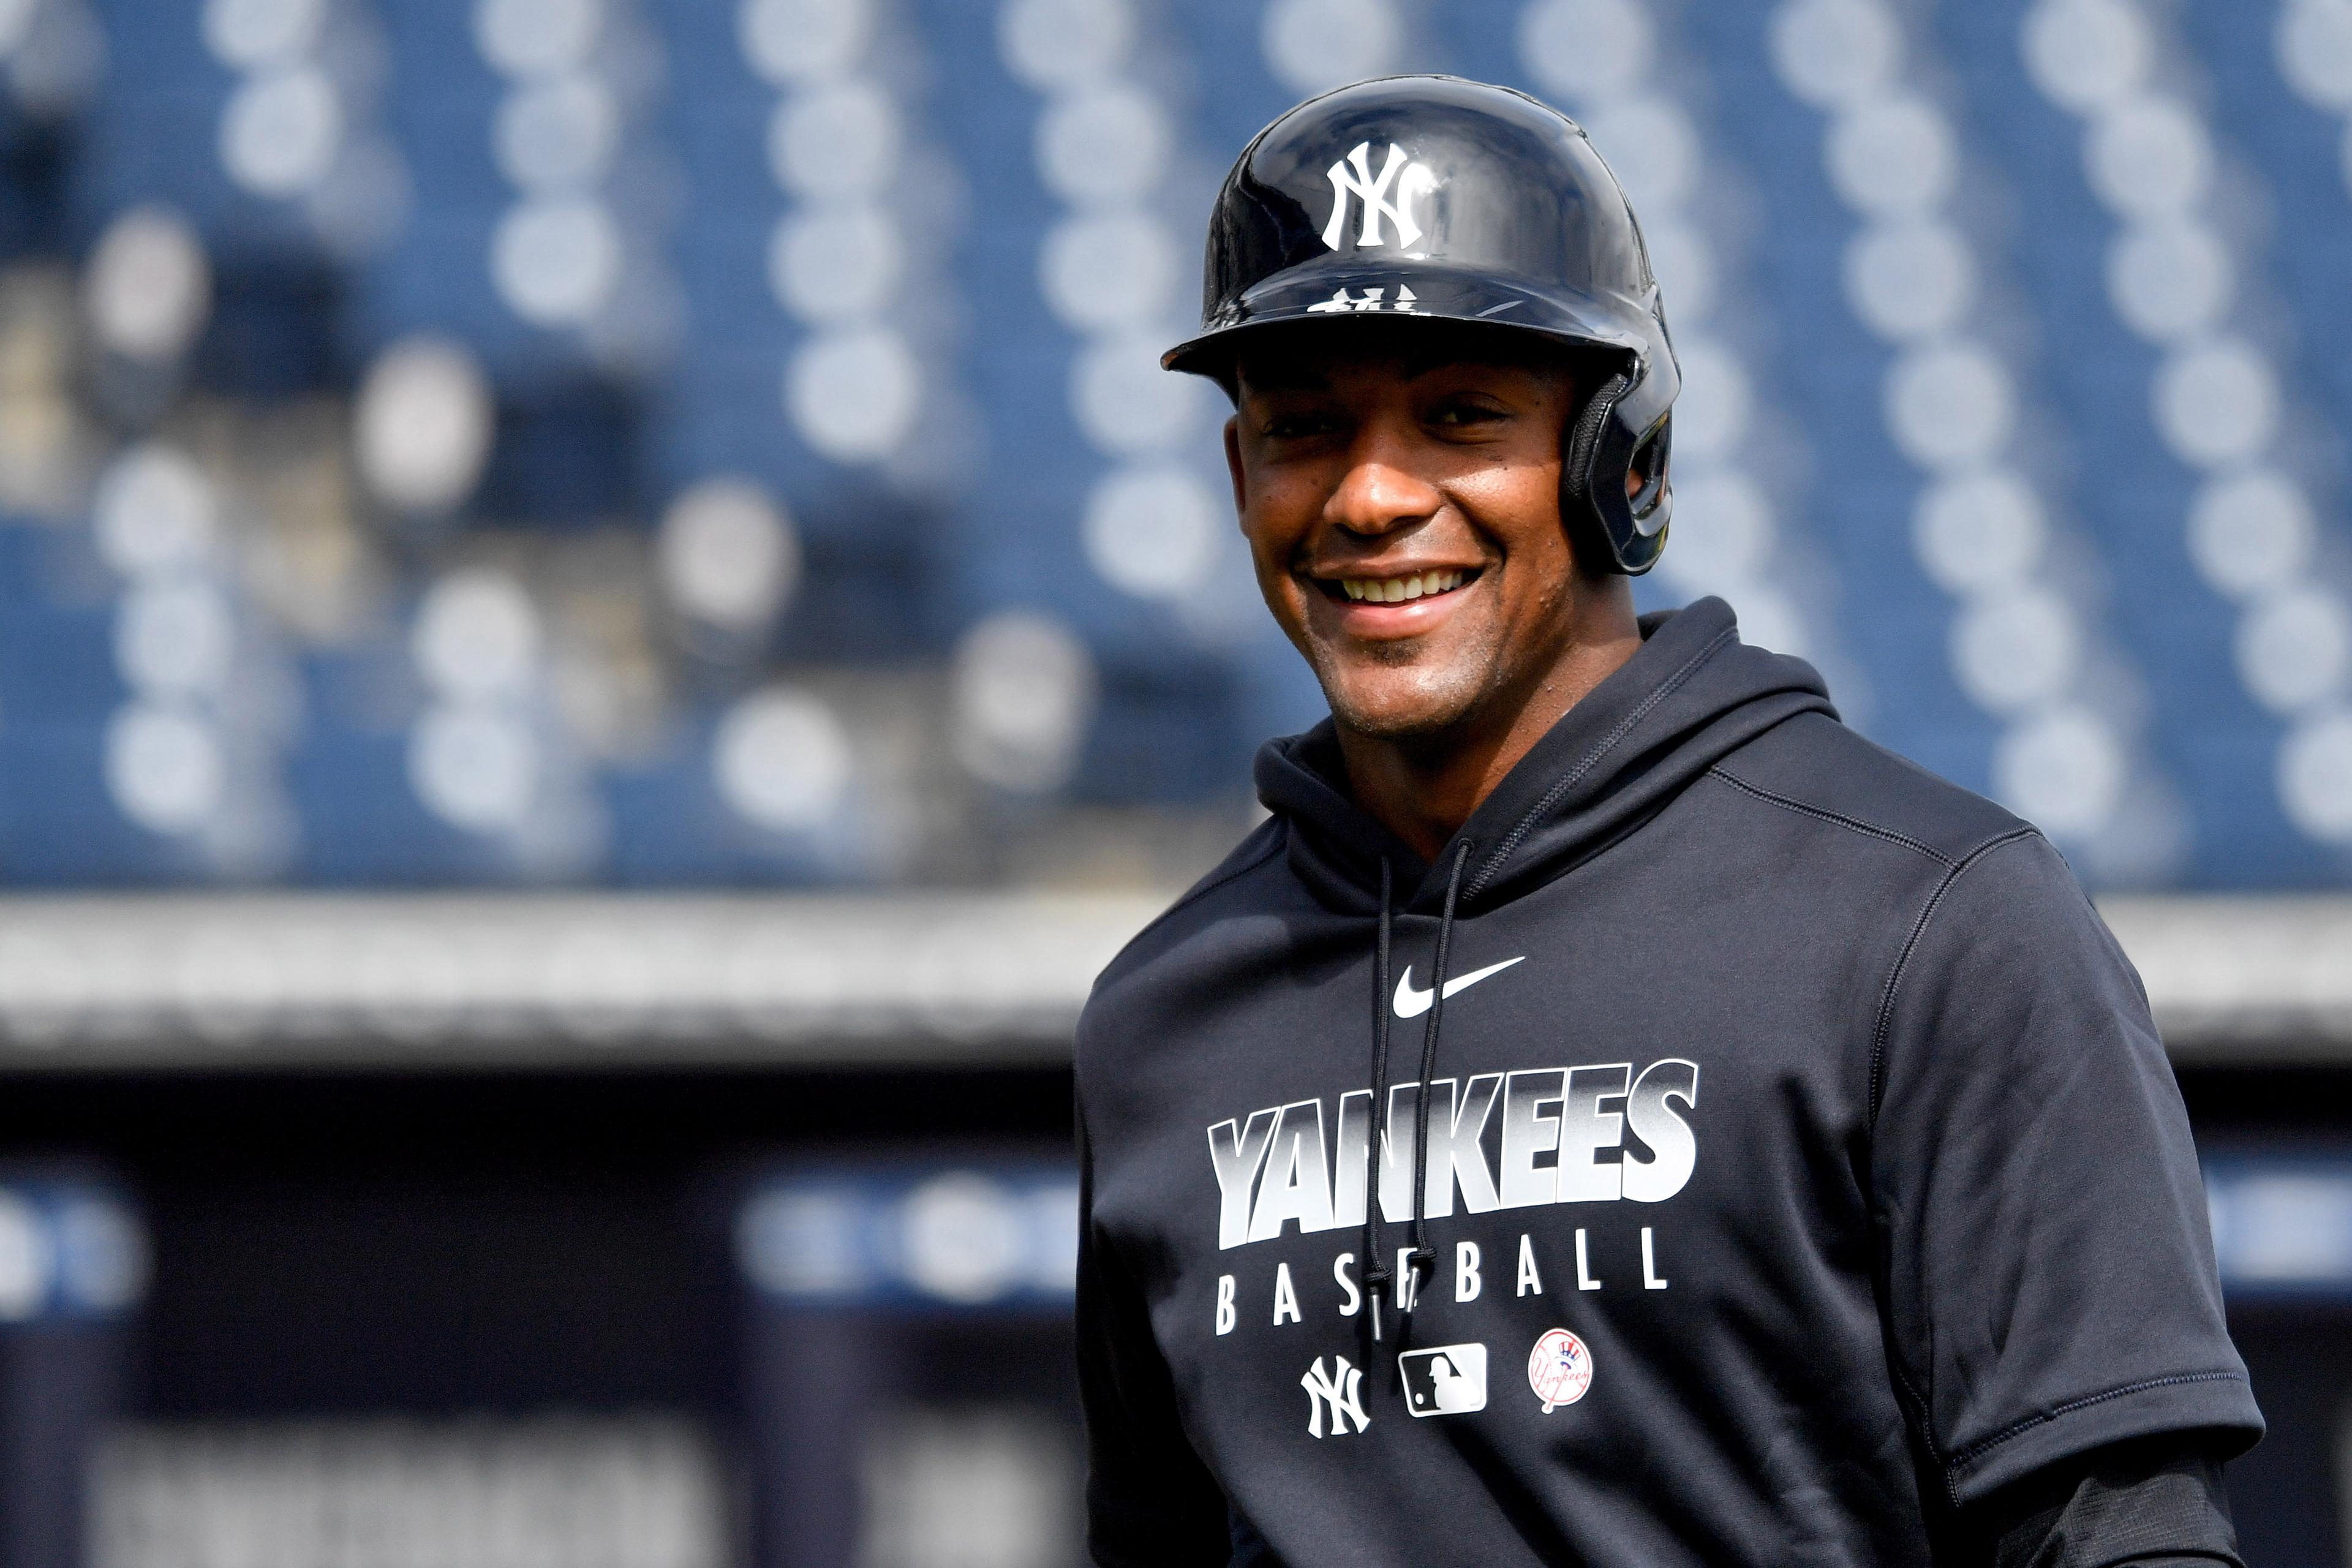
(1765, 1136)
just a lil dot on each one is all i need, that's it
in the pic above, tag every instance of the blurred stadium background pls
(604, 614)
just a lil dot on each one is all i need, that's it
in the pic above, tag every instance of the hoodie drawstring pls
(1378, 1279)
(1377, 1275)
(1422, 1257)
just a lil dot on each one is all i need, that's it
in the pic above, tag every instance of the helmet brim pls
(1344, 289)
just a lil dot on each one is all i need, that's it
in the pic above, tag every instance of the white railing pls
(570, 981)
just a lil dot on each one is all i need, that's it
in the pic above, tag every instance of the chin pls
(1392, 709)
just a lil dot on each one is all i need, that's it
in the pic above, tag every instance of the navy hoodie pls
(1795, 1162)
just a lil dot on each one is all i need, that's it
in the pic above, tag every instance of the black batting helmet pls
(1432, 196)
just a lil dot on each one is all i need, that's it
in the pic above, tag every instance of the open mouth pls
(1396, 590)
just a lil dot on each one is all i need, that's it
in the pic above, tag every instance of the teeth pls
(1397, 590)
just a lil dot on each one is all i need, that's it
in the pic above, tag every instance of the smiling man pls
(1401, 492)
(1786, 1169)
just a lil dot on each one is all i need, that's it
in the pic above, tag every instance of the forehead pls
(1306, 357)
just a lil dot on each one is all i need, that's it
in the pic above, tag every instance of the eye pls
(1299, 424)
(1458, 413)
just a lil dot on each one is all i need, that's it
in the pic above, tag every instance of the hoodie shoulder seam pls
(1198, 891)
(1608, 743)
(1884, 1024)
(1823, 814)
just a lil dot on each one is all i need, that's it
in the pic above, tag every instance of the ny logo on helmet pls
(1370, 300)
(1353, 173)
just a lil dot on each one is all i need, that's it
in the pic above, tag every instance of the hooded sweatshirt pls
(1740, 1146)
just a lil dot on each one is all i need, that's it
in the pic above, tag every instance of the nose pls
(1379, 493)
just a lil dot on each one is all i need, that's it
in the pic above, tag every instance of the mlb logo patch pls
(1448, 1380)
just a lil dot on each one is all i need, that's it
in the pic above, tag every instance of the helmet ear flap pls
(1619, 533)
(1654, 503)
(1584, 435)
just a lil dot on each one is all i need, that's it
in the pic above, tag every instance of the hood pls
(1692, 694)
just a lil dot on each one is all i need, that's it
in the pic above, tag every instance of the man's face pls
(1400, 491)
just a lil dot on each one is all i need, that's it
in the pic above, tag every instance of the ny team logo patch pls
(1339, 1391)
(1450, 1380)
(1386, 198)
(1559, 1369)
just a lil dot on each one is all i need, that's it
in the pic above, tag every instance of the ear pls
(1234, 467)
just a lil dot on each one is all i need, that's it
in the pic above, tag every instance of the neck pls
(1424, 788)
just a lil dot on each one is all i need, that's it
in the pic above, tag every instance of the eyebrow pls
(1420, 364)
(1292, 377)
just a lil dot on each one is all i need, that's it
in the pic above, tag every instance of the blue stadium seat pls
(899, 559)
(58, 824)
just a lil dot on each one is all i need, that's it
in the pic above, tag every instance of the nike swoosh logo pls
(1412, 1004)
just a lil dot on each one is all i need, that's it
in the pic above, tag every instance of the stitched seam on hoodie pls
(1877, 1068)
(1926, 1428)
(1275, 842)
(1551, 797)
(1902, 960)
(1983, 1446)
(1824, 815)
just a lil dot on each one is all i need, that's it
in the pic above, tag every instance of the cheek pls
(1281, 511)
(1272, 549)
(1520, 507)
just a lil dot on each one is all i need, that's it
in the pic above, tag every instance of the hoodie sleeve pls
(2157, 1503)
(2047, 1273)
(1151, 1503)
